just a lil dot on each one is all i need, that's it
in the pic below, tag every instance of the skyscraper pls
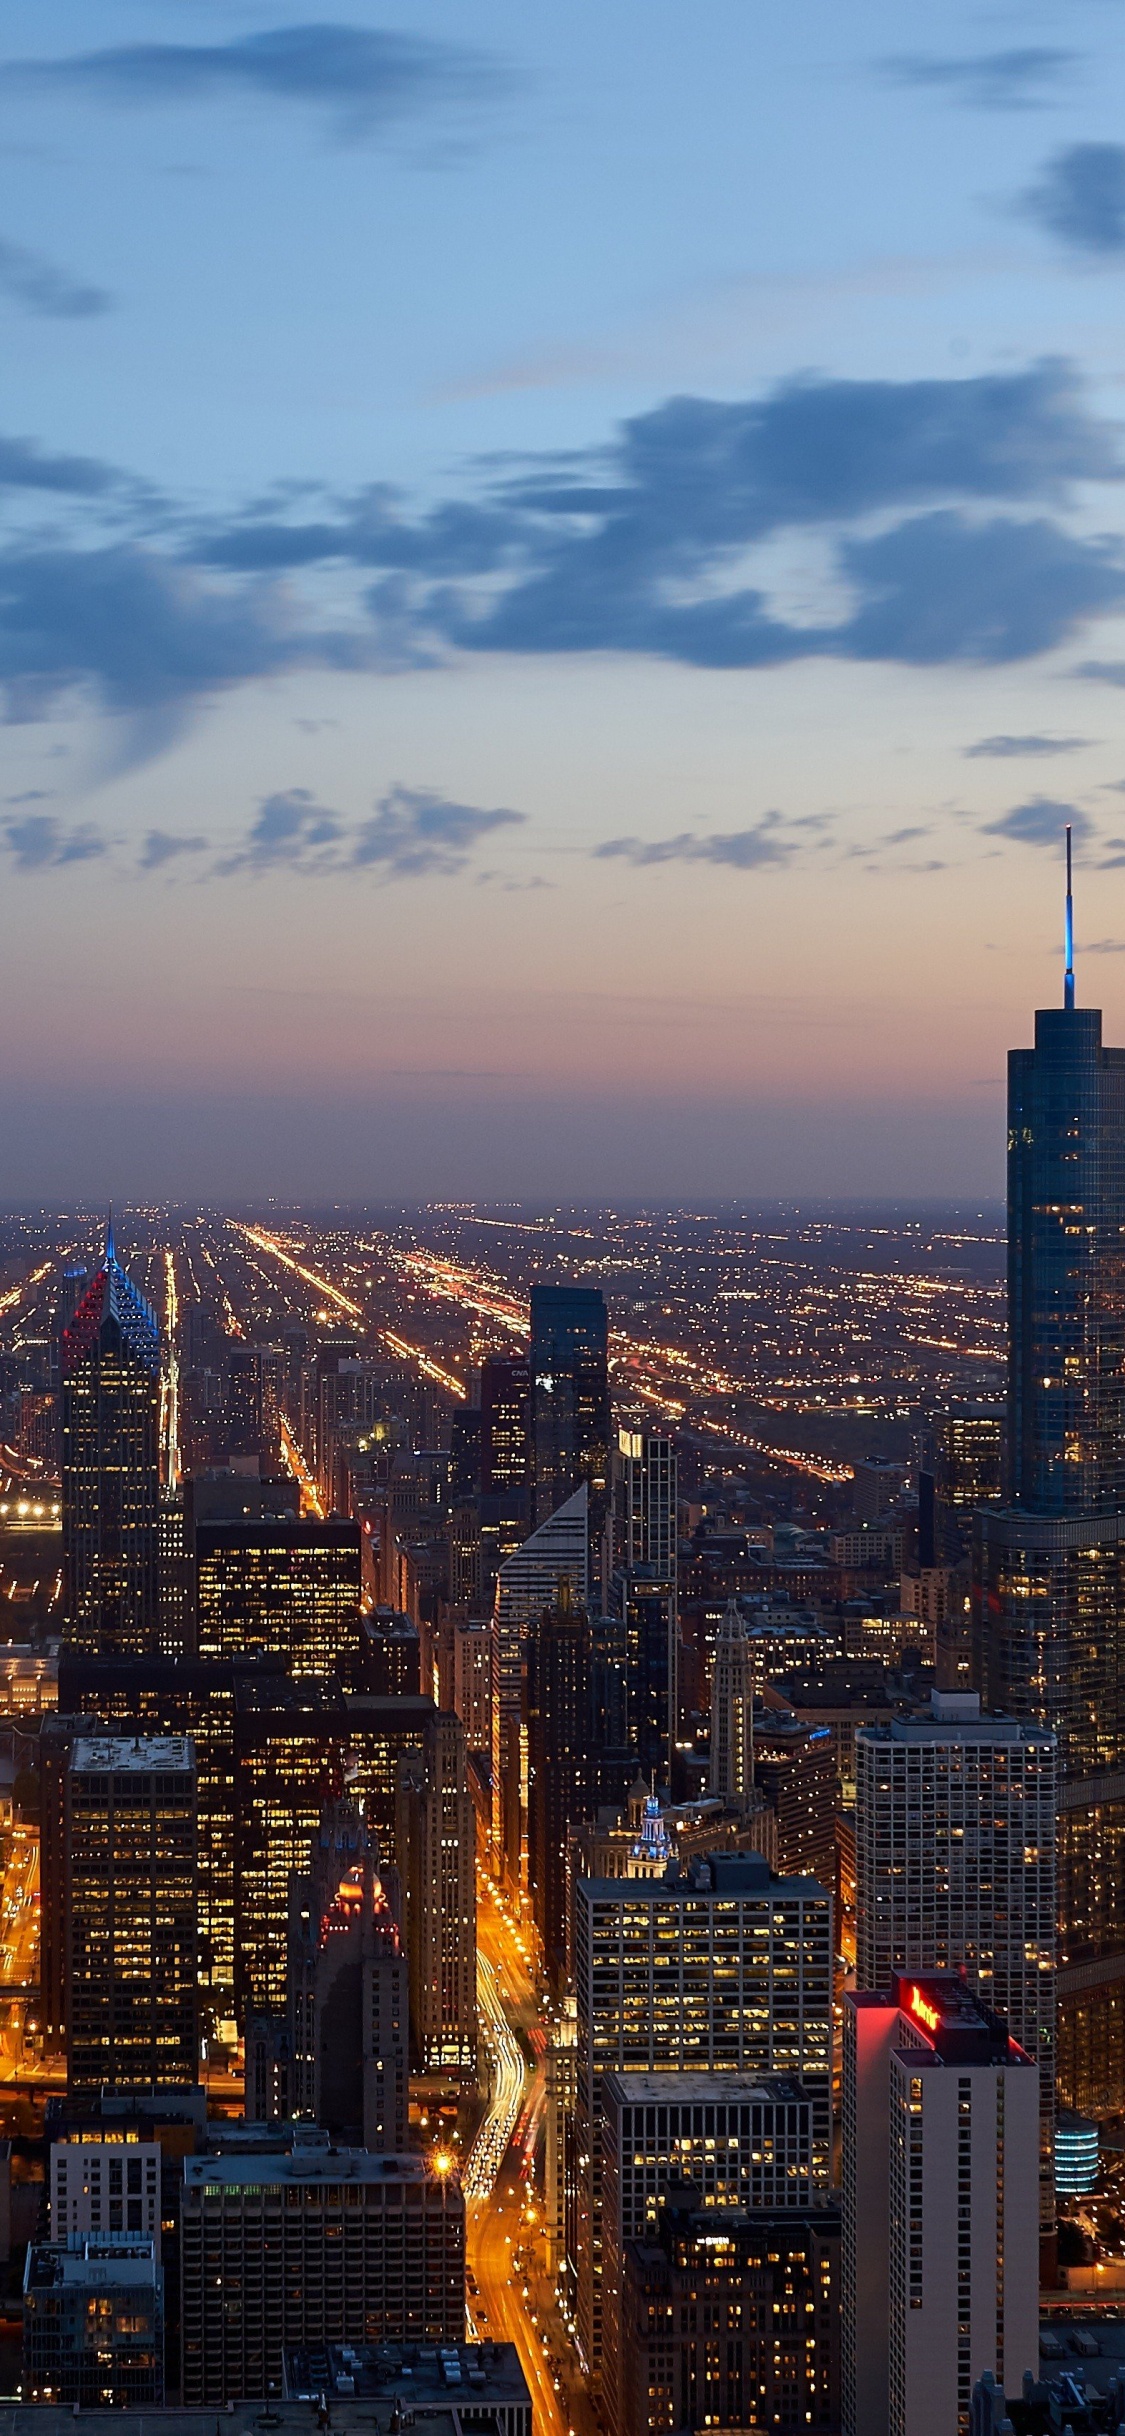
(131, 1913)
(436, 1853)
(505, 1407)
(528, 1582)
(569, 1397)
(290, 1588)
(110, 1367)
(731, 1772)
(1049, 1568)
(558, 1753)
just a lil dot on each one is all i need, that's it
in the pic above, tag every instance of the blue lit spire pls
(1068, 977)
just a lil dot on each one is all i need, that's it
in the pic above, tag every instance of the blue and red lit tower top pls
(112, 1303)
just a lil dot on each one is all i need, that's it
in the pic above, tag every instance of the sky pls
(562, 572)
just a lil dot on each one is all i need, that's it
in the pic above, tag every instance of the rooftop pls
(91, 2259)
(486, 2372)
(132, 1755)
(705, 2088)
(305, 2163)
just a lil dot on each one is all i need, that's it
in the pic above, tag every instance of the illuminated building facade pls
(348, 2009)
(110, 1367)
(436, 1853)
(105, 2186)
(93, 2323)
(725, 1968)
(969, 1458)
(730, 2321)
(559, 1655)
(940, 2207)
(505, 1408)
(131, 1903)
(731, 1769)
(287, 1588)
(289, 1748)
(334, 2245)
(528, 1582)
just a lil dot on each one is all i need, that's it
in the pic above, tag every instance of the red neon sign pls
(922, 2010)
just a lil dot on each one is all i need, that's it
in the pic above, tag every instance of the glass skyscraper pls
(110, 1363)
(570, 1396)
(1049, 1563)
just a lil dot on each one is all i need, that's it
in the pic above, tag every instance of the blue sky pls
(562, 573)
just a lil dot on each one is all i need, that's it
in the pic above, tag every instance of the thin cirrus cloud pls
(1020, 748)
(1040, 822)
(39, 842)
(740, 849)
(1080, 198)
(412, 833)
(39, 286)
(361, 79)
(625, 546)
(163, 846)
(988, 80)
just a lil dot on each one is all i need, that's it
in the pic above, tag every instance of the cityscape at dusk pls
(562, 1220)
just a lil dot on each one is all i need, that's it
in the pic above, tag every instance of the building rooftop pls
(306, 2162)
(716, 1873)
(955, 1717)
(91, 2259)
(482, 2372)
(132, 1755)
(705, 2088)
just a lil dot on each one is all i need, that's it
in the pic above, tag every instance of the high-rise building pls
(940, 2206)
(724, 1968)
(955, 1868)
(731, 1769)
(1049, 1567)
(969, 1458)
(131, 1905)
(317, 2245)
(289, 1588)
(111, 2185)
(527, 1583)
(644, 1500)
(390, 1657)
(436, 1853)
(570, 1397)
(647, 1599)
(795, 1774)
(93, 2323)
(731, 2321)
(110, 1367)
(348, 2014)
(558, 1754)
(505, 1404)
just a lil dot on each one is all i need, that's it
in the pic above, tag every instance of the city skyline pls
(561, 583)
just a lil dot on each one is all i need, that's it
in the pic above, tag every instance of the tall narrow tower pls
(732, 1709)
(111, 1468)
(1049, 1565)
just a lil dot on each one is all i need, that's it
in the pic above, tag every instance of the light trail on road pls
(322, 1285)
(506, 2097)
(16, 1294)
(292, 1456)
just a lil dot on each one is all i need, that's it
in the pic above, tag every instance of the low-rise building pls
(93, 2323)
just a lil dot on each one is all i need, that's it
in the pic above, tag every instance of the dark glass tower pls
(111, 1468)
(1049, 1564)
(570, 1396)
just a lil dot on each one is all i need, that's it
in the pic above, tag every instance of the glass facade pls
(110, 1362)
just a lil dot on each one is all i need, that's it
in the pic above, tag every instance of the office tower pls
(290, 1588)
(558, 1756)
(969, 1458)
(528, 1582)
(940, 2206)
(644, 1500)
(348, 2019)
(110, 1466)
(730, 1774)
(334, 2246)
(435, 1843)
(1049, 1567)
(93, 2323)
(390, 1659)
(105, 2186)
(795, 1774)
(465, 1452)
(570, 1415)
(730, 2322)
(505, 1406)
(725, 1968)
(743, 2142)
(290, 1740)
(955, 1826)
(173, 1576)
(647, 1599)
(877, 1487)
(131, 1904)
(470, 1690)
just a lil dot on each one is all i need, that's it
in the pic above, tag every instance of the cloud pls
(25, 466)
(993, 80)
(740, 849)
(412, 833)
(163, 845)
(1040, 822)
(1080, 197)
(39, 842)
(1108, 672)
(362, 79)
(40, 287)
(1016, 748)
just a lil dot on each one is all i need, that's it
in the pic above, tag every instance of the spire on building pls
(1068, 977)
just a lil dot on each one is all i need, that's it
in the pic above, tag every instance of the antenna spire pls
(1068, 977)
(110, 1254)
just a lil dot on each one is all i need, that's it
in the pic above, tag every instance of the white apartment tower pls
(940, 2217)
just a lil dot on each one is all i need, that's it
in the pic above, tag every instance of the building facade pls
(110, 1364)
(132, 1912)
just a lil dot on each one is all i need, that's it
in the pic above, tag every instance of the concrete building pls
(105, 2186)
(436, 1853)
(940, 2207)
(317, 2245)
(721, 1968)
(348, 2010)
(731, 1770)
(132, 1913)
(955, 1866)
(481, 2386)
(93, 2323)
